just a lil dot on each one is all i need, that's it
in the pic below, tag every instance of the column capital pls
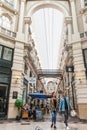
(68, 20)
(27, 20)
(71, 0)
(23, 0)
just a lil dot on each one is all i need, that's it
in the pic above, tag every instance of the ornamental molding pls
(68, 20)
(27, 20)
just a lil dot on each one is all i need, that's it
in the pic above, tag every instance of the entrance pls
(3, 100)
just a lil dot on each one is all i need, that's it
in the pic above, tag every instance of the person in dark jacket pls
(53, 109)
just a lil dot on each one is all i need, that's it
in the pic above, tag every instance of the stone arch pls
(51, 85)
(8, 16)
(39, 5)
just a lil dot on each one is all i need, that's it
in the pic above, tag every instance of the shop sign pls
(15, 94)
(69, 68)
(32, 80)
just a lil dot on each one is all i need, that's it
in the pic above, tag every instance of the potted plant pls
(18, 104)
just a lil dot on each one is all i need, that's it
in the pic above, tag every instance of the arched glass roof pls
(47, 25)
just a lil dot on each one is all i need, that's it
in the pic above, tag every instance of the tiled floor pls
(41, 125)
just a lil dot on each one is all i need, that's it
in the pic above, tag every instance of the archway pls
(51, 4)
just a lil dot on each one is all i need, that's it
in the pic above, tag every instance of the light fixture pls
(17, 78)
(67, 88)
(79, 78)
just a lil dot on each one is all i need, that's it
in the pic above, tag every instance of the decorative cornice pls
(68, 20)
(27, 20)
(83, 10)
(2, 4)
(71, 0)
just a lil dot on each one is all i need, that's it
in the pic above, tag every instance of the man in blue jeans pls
(53, 119)
(65, 107)
(53, 107)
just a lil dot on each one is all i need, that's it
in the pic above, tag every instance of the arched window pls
(5, 22)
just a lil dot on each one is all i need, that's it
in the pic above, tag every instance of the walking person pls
(53, 109)
(65, 107)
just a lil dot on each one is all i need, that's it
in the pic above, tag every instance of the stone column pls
(21, 16)
(27, 24)
(68, 23)
(74, 17)
(82, 3)
(15, 4)
(16, 81)
(80, 79)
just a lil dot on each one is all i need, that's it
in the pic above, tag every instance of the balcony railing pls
(83, 35)
(7, 32)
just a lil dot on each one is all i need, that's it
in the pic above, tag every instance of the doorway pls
(3, 100)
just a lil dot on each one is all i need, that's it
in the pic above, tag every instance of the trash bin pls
(39, 114)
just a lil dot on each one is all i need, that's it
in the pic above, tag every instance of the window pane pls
(7, 54)
(85, 1)
(85, 52)
(0, 51)
(85, 57)
(6, 22)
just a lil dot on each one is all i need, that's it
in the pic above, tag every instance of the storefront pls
(6, 57)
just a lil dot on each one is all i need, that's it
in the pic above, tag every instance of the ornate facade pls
(18, 56)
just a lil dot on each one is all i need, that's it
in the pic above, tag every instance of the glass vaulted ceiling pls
(47, 26)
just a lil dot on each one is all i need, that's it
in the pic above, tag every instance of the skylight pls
(47, 25)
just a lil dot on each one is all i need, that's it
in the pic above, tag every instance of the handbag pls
(73, 113)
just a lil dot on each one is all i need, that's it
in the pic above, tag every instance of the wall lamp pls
(80, 79)
(17, 78)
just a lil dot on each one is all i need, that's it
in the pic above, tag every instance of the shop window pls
(30, 74)
(24, 96)
(7, 54)
(0, 51)
(85, 2)
(85, 57)
(5, 22)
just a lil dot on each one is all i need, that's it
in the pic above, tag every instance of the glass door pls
(3, 100)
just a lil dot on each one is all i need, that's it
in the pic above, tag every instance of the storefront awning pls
(40, 96)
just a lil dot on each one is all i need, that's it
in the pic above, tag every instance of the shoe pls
(67, 128)
(51, 125)
(55, 127)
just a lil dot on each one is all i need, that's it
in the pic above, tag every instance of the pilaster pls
(80, 79)
(16, 82)
(27, 25)
(21, 16)
(75, 35)
(68, 21)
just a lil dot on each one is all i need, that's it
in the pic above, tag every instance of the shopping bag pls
(73, 113)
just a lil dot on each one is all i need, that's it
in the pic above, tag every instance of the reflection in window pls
(5, 22)
(85, 57)
(7, 55)
(0, 51)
